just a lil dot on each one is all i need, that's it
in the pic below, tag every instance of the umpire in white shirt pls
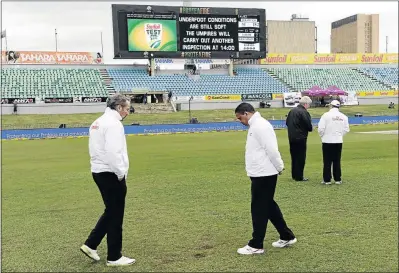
(109, 166)
(332, 126)
(263, 164)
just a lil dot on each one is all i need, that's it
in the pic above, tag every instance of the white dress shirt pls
(333, 125)
(262, 157)
(107, 145)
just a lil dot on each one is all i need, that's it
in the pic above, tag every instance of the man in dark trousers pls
(170, 96)
(263, 164)
(109, 166)
(15, 107)
(299, 123)
(332, 127)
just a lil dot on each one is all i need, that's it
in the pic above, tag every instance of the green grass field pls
(188, 206)
(81, 120)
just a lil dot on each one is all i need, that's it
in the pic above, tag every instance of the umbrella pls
(315, 88)
(315, 91)
(333, 90)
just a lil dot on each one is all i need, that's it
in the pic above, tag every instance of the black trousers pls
(332, 156)
(113, 193)
(263, 209)
(298, 158)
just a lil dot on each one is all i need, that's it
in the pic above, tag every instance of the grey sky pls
(30, 25)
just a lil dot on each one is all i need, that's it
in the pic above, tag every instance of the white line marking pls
(391, 132)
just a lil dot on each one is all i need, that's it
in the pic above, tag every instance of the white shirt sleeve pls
(268, 141)
(346, 126)
(113, 137)
(322, 125)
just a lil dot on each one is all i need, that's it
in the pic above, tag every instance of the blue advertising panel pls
(170, 128)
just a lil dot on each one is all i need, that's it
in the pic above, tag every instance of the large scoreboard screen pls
(188, 32)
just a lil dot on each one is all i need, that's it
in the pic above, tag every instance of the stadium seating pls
(388, 75)
(347, 79)
(71, 82)
(247, 81)
(51, 83)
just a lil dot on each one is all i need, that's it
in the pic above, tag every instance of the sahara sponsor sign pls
(223, 97)
(384, 93)
(355, 58)
(50, 57)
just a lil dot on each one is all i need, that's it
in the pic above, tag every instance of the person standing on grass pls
(263, 165)
(332, 127)
(15, 107)
(109, 166)
(299, 124)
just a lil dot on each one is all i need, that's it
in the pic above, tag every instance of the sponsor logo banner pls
(191, 61)
(151, 34)
(384, 93)
(19, 101)
(350, 99)
(355, 58)
(277, 96)
(390, 93)
(256, 97)
(223, 97)
(58, 100)
(171, 128)
(391, 58)
(50, 57)
(292, 99)
(93, 99)
(187, 98)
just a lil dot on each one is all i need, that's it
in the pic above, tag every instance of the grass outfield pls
(188, 206)
(81, 120)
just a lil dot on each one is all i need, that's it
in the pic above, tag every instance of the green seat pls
(51, 82)
(348, 79)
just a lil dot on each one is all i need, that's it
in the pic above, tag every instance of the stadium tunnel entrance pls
(147, 96)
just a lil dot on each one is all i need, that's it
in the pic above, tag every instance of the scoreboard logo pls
(154, 34)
